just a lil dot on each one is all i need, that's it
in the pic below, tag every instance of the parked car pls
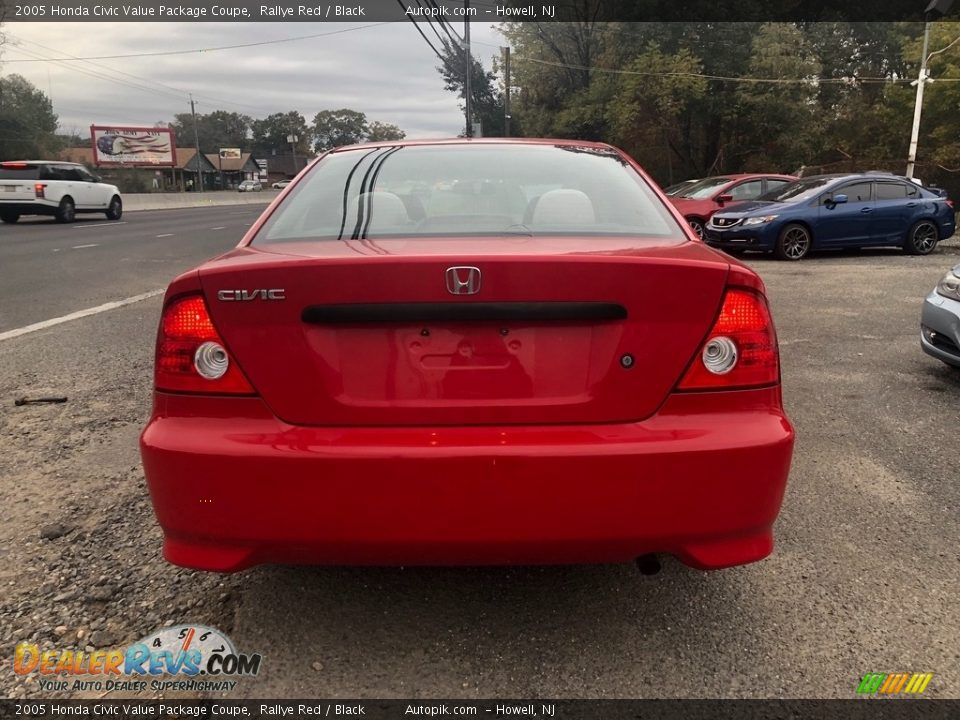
(940, 320)
(60, 189)
(676, 188)
(837, 211)
(250, 186)
(281, 184)
(700, 201)
(461, 352)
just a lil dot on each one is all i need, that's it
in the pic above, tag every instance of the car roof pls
(858, 176)
(40, 162)
(478, 141)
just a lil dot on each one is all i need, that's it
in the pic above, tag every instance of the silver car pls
(940, 320)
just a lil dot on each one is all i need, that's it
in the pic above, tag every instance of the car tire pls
(9, 217)
(67, 211)
(697, 225)
(115, 209)
(793, 243)
(922, 238)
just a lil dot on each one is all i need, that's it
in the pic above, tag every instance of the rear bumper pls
(233, 486)
(940, 328)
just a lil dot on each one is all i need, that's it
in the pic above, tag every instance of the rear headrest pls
(384, 210)
(564, 207)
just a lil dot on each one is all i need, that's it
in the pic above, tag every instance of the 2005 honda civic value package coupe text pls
(467, 352)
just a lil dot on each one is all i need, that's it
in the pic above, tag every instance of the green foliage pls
(333, 128)
(218, 129)
(28, 124)
(691, 99)
(269, 135)
(379, 131)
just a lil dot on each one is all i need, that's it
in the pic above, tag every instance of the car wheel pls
(697, 226)
(922, 239)
(9, 217)
(67, 212)
(115, 210)
(793, 244)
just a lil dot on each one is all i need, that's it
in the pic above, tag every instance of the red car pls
(466, 352)
(701, 200)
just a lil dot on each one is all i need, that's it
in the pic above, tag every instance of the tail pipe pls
(648, 564)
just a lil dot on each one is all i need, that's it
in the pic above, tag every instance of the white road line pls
(165, 235)
(77, 315)
(81, 247)
(222, 227)
(109, 224)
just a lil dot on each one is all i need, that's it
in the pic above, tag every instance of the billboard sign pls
(262, 164)
(133, 146)
(230, 153)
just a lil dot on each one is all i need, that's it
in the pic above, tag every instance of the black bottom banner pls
(860, 709)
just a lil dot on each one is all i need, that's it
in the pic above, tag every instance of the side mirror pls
(839, 199)
(725, 198)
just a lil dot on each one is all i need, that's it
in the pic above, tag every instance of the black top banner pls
(170, 709)
(486, 11)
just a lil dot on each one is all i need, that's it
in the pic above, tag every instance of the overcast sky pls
(387, 72)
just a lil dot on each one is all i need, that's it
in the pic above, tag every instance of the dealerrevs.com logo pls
(196, 657)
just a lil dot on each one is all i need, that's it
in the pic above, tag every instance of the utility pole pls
(293, 139)
(196, 138)
(935, 10)
(468, 92)
(918, 105)
(506, 92)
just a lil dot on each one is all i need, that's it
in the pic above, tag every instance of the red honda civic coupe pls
(467, 352)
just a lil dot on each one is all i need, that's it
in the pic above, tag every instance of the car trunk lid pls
(364, 333)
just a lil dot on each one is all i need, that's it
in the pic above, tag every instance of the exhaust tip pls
(648, 564)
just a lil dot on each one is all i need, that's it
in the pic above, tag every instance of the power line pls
(179, 91)
(212, 49)
(422, 34)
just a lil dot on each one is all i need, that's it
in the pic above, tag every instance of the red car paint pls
(461, 441)
(699, 210)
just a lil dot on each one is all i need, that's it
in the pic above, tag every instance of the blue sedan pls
(836, 211)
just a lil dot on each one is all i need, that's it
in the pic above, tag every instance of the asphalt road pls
(865, 576)
(49, 269)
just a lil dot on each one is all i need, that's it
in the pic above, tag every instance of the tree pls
(487, 107)
(379, 131)
(216, 130)
(333, 128)
(270, 134)
(28, 124)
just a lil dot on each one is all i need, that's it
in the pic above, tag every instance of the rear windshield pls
(14, 172)
(470, 190)
(705, 188)
(798, 190)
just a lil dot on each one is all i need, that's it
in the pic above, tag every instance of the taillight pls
(191, 355)
(40, 189)
(741, 349)
(949, 203)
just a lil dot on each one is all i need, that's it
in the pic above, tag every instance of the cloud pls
(387, 71)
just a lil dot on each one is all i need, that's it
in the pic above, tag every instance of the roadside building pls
(183, 177)
(231, 171)
(285, 167)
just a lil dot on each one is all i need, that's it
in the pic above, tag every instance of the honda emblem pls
(463, 280)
